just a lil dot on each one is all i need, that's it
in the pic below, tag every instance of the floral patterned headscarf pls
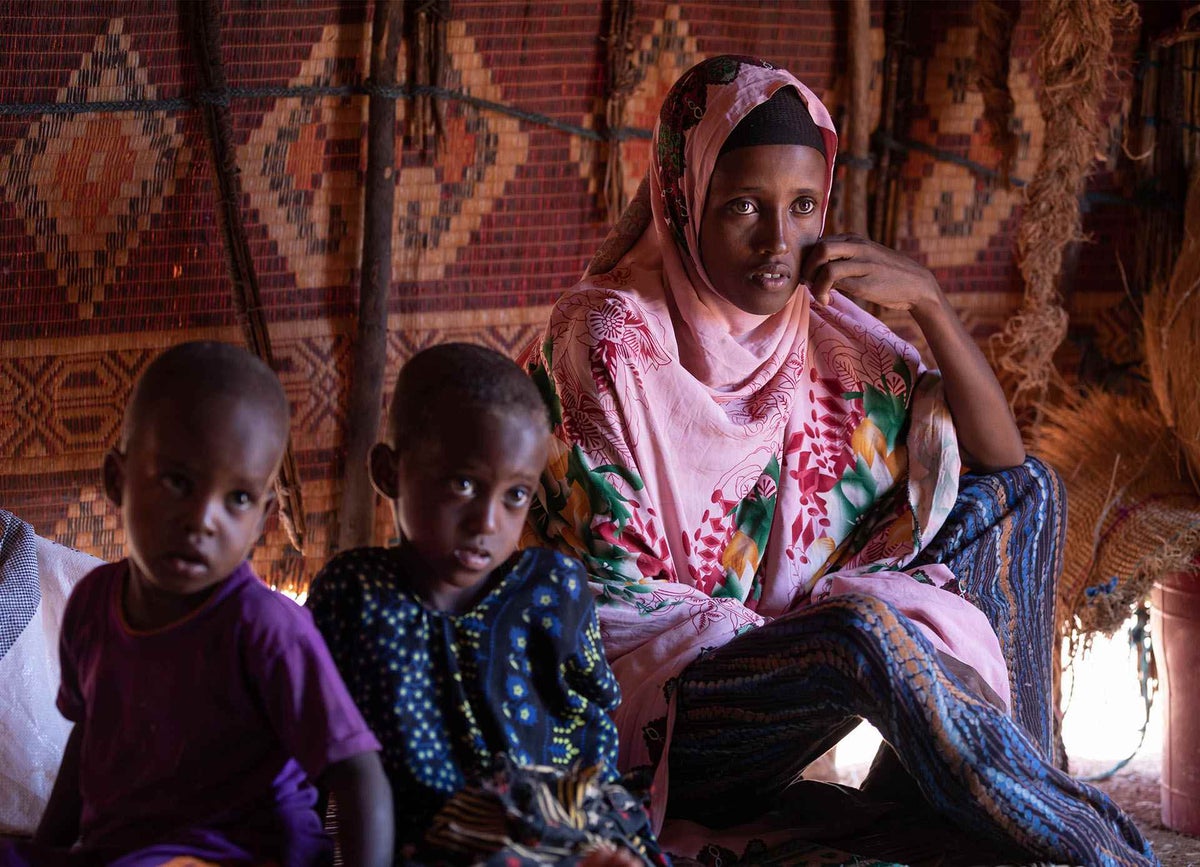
(713, 468)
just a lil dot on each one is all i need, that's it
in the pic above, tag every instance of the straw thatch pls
(1133, 515)
(1172, 339)
(1073, 60)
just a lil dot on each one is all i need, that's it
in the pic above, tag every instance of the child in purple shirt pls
(205, 705)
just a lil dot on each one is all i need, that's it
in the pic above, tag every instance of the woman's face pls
(763, 211)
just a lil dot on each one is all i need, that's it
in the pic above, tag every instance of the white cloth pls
(32, 731)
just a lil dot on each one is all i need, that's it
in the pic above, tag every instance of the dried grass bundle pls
(1171, 320)
(1133, 517)
(1073, 62)
(996, 20)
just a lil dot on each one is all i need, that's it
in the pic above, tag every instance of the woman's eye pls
(805, 206)
(742, 206)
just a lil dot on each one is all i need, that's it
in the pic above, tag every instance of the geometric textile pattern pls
(20, 585)
(665, 53)
(949, 215)
(92, 524)
(306, 192)
(85, 205)
(442, 200)
(507, 334)
(64, 407)
(314, 372)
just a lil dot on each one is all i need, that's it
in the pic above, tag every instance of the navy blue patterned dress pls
(523, 674)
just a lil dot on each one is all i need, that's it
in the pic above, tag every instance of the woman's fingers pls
(841, 274)
(864, 270)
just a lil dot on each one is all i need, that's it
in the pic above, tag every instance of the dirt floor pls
(1136, 788)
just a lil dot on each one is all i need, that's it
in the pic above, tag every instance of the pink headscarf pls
(715, 469)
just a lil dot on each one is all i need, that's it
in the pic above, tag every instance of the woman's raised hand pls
(867, 271)
(987, 434)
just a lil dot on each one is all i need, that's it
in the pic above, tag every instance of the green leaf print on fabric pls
(603, 496)
(754, 514)
(752, 519)
(730, 588)
(856, 490)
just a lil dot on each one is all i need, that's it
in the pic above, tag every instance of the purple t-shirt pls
(201, 738)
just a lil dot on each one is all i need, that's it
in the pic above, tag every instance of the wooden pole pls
(859, 115)
(623, 76)
(202, 20)
(895, 84)
(357, 512)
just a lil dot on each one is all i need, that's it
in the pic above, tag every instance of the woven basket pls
(1133, 513)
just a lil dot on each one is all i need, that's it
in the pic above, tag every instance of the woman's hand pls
(869, 272)
(987, 434)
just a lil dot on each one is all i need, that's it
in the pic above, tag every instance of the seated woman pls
(766, 487)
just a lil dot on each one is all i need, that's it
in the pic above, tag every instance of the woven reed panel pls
(109, 249)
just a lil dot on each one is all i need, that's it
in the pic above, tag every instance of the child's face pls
(194, 488)
(462, 496)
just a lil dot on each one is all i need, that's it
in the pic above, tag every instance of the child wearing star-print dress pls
(479, 668)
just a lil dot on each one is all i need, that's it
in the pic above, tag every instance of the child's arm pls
(364, 804)
(59, 827)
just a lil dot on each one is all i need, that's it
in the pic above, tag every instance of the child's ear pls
(270, 507)
(383, 466)
(114, 476)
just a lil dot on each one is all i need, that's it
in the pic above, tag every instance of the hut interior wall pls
(109, 250)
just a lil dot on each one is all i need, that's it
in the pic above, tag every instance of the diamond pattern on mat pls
(439, 206)
(60, 405)
(303, 166)
(85, 206)
(508, 339)
(92, 524)
(315, 372)
(950, 214)
(664, 54)
(308, 192)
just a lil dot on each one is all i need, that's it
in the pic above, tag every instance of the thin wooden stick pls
(893, 120)
(623, 77)
(357, 512)
(203, 21)
(858, 164)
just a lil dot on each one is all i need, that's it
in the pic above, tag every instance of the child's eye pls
(241, 500)
(175, 483)
(805, 205)
(742, 206)
(518, 497)
(462, 486)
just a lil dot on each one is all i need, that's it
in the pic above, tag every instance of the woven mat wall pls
(109, 249)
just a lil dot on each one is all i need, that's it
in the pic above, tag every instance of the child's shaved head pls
(459, 376)
(191, 373)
